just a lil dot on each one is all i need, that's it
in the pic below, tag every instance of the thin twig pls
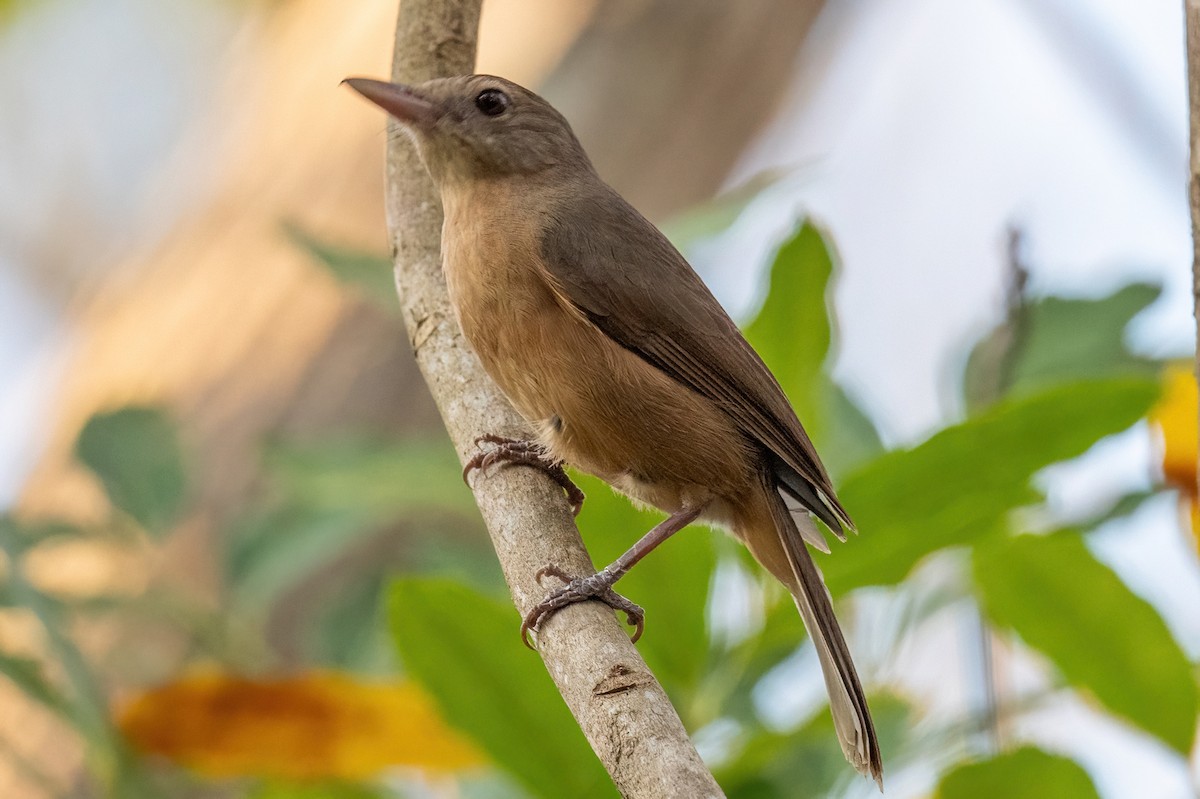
(1192, 13)
(617, 702)
(1016, 334)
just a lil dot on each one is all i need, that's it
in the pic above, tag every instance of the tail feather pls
(847, 701)
(820, 502)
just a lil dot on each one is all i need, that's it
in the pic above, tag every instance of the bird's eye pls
(492, 102)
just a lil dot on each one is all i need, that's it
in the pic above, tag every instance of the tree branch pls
(619, 705)
(1192, 13)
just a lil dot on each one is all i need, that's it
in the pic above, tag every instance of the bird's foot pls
(524, 453)
(580, 589)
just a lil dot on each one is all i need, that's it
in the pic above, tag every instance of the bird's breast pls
(505, 307)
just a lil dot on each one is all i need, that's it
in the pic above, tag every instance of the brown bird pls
(619, 357)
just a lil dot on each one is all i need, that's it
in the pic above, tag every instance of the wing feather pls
(657, 307)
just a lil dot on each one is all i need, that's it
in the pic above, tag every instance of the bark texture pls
(1192, 13)
(619, 705)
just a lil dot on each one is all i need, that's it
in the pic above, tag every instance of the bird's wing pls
(623, 275)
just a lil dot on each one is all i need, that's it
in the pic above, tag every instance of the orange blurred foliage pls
(320, 725)
(1176, 417)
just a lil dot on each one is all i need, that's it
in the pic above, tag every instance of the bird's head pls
(478, 126)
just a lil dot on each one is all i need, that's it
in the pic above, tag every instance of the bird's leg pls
(599, 586)
(524, 453)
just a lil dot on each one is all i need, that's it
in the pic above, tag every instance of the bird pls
(625, 366)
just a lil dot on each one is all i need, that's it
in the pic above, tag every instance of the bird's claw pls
(580, 589)
(524, 453)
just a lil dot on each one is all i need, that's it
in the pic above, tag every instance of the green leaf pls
(271, 550)
(331, 496)
(1104, 638)
(27, 674)
(793, 332)
(377, 476)
(1027, 772)
(848, 436)
(368, 274)
(471, 561)
(958, 487)
(465, 649)
(348, 630)
(136, 454)
(9, 8)
(1055, 340)
(320, 790)
(671, 584)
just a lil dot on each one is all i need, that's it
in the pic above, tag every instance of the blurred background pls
(238, 560)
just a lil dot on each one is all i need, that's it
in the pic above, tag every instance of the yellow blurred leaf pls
(315, 726)
(1176, 416)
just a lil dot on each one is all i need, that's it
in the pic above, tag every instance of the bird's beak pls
(403, 103)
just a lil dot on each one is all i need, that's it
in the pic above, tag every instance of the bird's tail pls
(847, 701)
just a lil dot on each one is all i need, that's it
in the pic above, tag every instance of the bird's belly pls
(604, 410)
